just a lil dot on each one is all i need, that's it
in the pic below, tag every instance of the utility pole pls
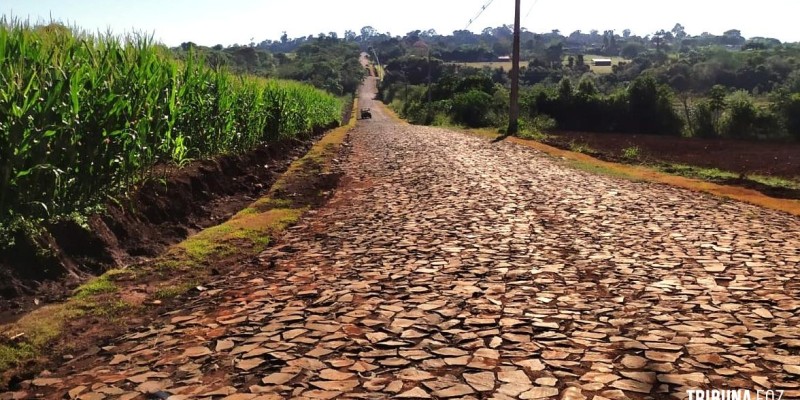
(421, 43)
(430, 94)
(513, 112)
(378, 72)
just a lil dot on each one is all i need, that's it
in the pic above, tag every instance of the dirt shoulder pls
(122, 299)
(771, 168)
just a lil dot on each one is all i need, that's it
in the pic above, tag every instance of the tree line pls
(669, 83)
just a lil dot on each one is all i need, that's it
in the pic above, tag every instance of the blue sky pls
(227, 22)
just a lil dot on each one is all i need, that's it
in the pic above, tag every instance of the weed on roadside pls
(631, 153)
(580, 147)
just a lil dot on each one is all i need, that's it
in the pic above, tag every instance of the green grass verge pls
(716, 174)
(594, 168)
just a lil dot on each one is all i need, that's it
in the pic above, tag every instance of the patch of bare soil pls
(779, 159)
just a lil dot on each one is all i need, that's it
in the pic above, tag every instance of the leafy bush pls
(644, 108)
(471, 108)
(704, 120)
(630, 153)
(743, 120)
(580, 147)
(651, 108)
(537, 127)
(787, 107)
(739, 119)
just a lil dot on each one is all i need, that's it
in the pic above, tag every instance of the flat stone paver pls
(447, 267)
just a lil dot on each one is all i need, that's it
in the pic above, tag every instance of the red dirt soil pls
(779, 159)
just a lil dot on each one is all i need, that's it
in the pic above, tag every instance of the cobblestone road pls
(448, 267)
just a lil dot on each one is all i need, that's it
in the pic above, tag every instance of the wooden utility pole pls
(430, 94)
(513, 112)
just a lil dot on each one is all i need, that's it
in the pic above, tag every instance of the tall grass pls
(84, 116)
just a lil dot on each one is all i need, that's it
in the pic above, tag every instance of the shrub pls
(651, 108)
(471, 108)
(704, 120)
(580, 147)
(788, 108)
(537, 127)
(630, 153)
(744, 120)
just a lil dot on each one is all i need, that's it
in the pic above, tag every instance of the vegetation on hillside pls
(672, 83)
(325, 61)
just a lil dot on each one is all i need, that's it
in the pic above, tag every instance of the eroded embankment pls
(124, 298)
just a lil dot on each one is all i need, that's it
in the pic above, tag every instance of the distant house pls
(601, 62)
(504, 58)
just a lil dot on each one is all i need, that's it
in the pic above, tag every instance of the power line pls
(530, 10)
(485, 6)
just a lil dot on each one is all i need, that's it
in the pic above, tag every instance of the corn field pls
(85, 116)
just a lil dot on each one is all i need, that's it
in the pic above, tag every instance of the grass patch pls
(172, 291)
(691, 171)
(716, 174)
(775, 181)
(39, 328)
(99, 285)
(266, 203)
(174, 260)
(532, 134)
(112, 310)
(249, 229)
(600, 169)
(580, 147)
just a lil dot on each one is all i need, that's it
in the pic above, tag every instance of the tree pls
(788, 108)
(679, 31)
(631, 50)
(555, 53)
(740, 119)
(626, 33)
(412, 37)
(501, 48)
(609, 43)
(565, 90)
(587, 87)
(651, 108)
(658, 39)
(368, 32)
(471, 108)
(430, 33)
(733, 37)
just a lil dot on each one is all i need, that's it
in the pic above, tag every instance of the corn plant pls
(86, 116)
